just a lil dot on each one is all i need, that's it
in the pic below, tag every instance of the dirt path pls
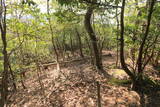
(75, 87)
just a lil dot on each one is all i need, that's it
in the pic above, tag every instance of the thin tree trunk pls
(91, 53)
(13, 78)
(52, 36)
(56, 53)
(140, 55)
(4, 91)
(71, 45)
(117, 60)
(38, 70)
(60, 48)
(122, 59)
(80, 43)
(22, 82)
(63, 46)
(101, 46)
(39, 79)
(98, 94)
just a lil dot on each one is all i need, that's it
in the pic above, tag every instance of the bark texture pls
(92, 35)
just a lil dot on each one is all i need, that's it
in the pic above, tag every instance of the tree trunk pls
(92, 35)
(122, 59)
(71, 45)
(98, 94)
(138, 84)
(80, 43)
(4, 89)
(141, 49)
(22, 82)
(13, 78)
(117, 37)
(60, 48)
(52, 36)
(56, 54)
(90, 53)
(63, 47)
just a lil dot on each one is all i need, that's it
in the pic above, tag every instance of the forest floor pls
(76, 86)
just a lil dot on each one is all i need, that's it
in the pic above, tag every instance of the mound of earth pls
(118, 73)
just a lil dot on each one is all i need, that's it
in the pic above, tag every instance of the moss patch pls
(115, 81)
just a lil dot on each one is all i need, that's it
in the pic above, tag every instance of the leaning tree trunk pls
(141, 49)
(137, 81)
(138, 84)
(4, 88)
(122, 59)
(92, 35)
